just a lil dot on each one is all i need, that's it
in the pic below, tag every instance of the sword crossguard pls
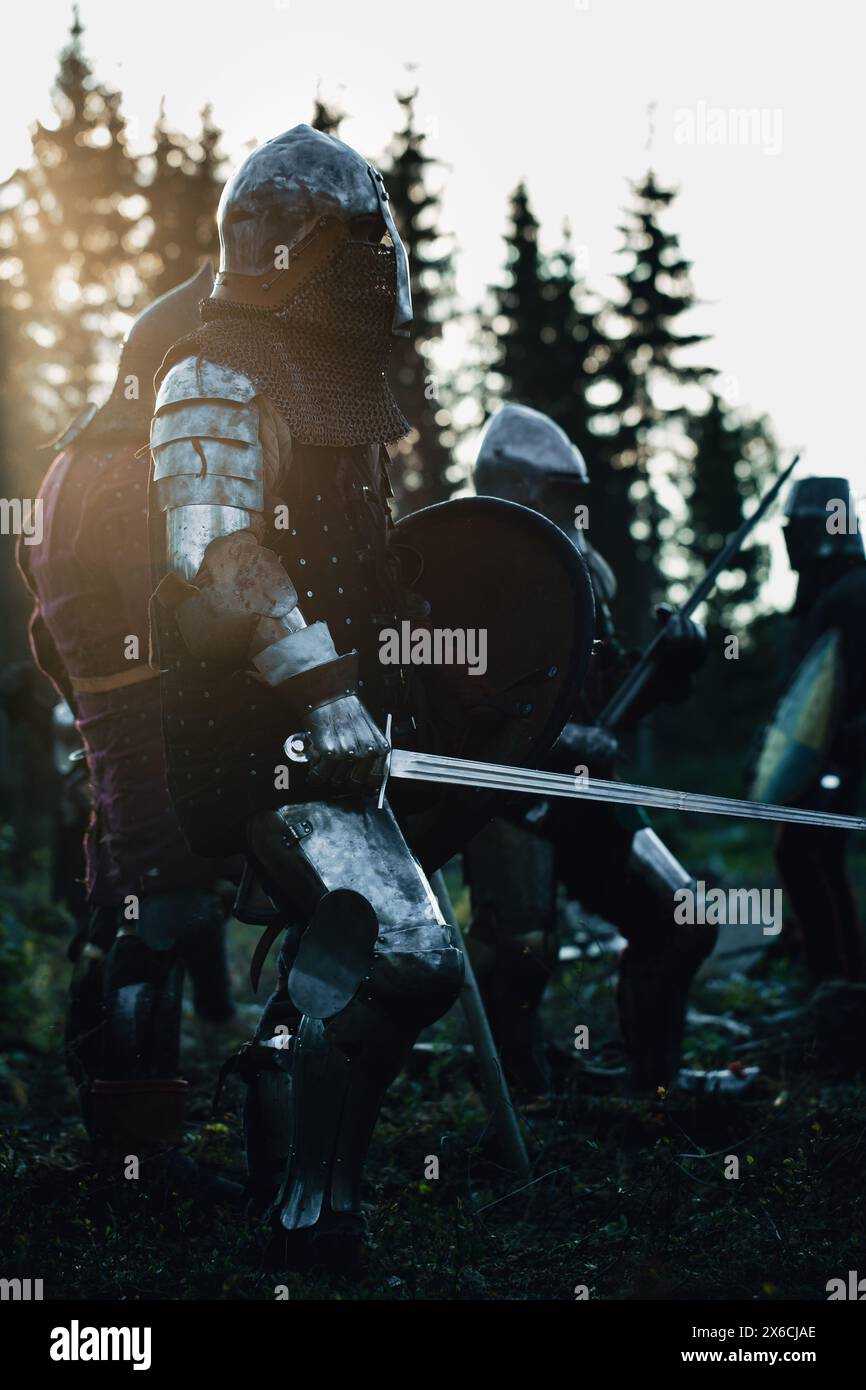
(386, 771)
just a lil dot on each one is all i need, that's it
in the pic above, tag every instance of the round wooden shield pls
(497, 662)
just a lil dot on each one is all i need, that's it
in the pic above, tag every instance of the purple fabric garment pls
(91, 581)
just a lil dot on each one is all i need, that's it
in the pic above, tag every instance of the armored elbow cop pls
(214, 444)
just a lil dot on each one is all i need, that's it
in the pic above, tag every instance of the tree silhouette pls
(542, 337)
(183, 194)
(425, 471)
(733, 463)
(327, 116)
(643, 426)
(68, 230)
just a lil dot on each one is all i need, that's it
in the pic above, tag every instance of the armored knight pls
(153, 907)
(607, 857)
(814, 752)
(269, 506)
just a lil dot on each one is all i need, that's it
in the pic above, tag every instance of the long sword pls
(463, 772)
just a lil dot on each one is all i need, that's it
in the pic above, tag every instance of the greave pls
(313, 1101)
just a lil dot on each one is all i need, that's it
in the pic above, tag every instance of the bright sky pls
(771, 209)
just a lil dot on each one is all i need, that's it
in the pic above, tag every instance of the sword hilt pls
(296, 745)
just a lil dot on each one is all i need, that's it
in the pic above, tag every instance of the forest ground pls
(628, 1196)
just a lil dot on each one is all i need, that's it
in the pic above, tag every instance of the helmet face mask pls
(821, 523)
(558, 499)
(369, 229)
(287, 210)
(803, 542)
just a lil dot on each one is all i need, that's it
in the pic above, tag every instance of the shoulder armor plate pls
(197, 378)
(204, 439)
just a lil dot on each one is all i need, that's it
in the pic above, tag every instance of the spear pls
(622, 700)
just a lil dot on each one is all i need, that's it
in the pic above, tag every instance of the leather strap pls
(319, 685)
(92, 685)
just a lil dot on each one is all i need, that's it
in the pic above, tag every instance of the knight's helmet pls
(298, 202)
(128, 410)
(822, 523)
(525, 456)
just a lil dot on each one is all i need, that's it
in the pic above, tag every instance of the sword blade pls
(462, 772)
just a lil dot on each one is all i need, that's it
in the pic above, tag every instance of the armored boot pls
(203, 945)
(375, 965)
(513, 943)
(659, 963)
(652, 998)
(513, 971)
(137, 1102)
(135, 1105)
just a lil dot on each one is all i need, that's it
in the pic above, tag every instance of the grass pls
(629, 1196)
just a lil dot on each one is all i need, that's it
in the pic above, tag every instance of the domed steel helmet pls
(522, 453)
(526, 457)
(821, 522)
(287, 209)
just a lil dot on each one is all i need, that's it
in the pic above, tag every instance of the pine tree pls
(68, 239)
(425, 470)
(327, 116)
(733, 460)
(522, 308)
(643, 434)
(542, 337)
(183, 192)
